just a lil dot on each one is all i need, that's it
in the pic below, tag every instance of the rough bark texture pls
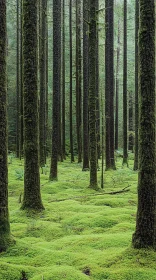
(71, 82)
(117, 90)
(136, 85)
(63, 82)
(4, 215)
(85, 84)
(17, 78)
(145, 234)
(92, 95)
(32, 196)
(125, 153)
(43, 88)
(109, 84)
(130, 122)
(21, 83)
(56, 85)
(97, 85)
(78, 81)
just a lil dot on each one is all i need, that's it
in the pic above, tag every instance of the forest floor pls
(80, 235)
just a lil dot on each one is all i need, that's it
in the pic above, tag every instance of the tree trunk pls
(92, 96)
(117, 90)
(85, 84)
(125, 154)
(71, 82)
(145, 234)
(43, 88)
(32, 196)
(109, 84)
(130, 117)
(97, 85)
(17, 80)
(78, 80)
(4, 215)
(136, 84)
(63, 82)
(56, 86)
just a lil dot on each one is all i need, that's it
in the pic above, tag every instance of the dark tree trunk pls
(136, 85)
(97, 86)
(109, 84)
(145, 234)
(32, 196)
(92, 96)
(56, 86)
(4, 215)
(71, 82)
(63, 82)
(78, 80)
(17, 80)
(85, 84)
(21, 83)
(130, 117)
(43, 88)
(125, 154)
(117, 90)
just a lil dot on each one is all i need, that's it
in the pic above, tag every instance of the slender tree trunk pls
(145, 234)
(78, 80)
(92, 96)
(43, 88)
(109, 84)
(71, 82)
(21, 82)
(32, 196)
(17, 80)
(63, 82)
(97, 86)
(136, 84)
(85, 84)
(117, 91)
(56, 86)
(125, 154)
(4, 215)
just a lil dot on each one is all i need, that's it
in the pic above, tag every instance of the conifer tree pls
(4, 215)
(32, 196)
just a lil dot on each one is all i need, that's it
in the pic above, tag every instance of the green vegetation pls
(86, 235)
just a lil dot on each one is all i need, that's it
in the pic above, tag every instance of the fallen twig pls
(95, 194)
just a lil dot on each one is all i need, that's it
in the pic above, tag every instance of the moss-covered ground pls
(87, 236)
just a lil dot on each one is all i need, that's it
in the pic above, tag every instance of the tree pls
(32, 196)
(4, 215)
(97, 85)
(56, 86)
(136, 84)
(17, 78)
(125, 153)
(109, 83)
(92, 96)
(43, 88)
(63, 82)
(78, 80)
(85, 84)
(145, 233)
(71, 82)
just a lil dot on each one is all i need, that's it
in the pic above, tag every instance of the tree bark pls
(32, 196)
(4, 214)
(145, 233)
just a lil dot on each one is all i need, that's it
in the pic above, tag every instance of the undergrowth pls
(80, 235)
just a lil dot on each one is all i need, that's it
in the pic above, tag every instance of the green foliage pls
(19, 174)
(86, 236)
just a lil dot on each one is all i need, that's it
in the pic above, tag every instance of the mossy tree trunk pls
(43, 88)
(78, 81)
(97, 85)
(117, 90)
(145, 234)
(17, 78)
(4, 215)
(92, 95)
(32, 196)
(109, 83)
(71, 83)
(125, 137)
(63, 83)
(85, 84)
(56, 87)
(136, 85)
